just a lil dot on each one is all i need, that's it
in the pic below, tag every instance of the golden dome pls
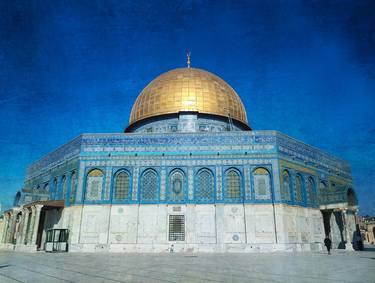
(188, 89)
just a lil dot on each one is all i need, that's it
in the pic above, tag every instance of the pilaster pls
(38, 209)
(11, 230)
(348, 245)
(6, 228)
(24, 228)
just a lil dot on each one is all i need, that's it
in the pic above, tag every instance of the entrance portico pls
(24, 228)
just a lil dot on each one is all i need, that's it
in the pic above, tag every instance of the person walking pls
(328, 244)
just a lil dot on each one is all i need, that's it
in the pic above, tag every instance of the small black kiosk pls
(57, 240)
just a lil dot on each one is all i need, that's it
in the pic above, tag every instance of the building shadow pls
(340, 225)
(369, 248)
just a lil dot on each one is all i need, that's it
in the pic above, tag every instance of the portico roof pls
(47, 203)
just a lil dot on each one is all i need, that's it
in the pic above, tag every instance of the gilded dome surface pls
(188, 89)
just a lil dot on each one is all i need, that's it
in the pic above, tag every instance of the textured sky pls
(305, 68)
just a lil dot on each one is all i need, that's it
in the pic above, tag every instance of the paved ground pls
(280, 267)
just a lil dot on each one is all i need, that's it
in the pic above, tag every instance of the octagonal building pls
(187, 175)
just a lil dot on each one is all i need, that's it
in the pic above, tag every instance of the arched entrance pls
(338, 209)
(17, 199)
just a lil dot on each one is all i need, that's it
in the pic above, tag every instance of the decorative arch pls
(204, 189)
(46, 187)
(17, 199)
(299, 188)
(149, 186)
(64, 186)
(176, 191)
(121, 189)
(262, 183)
(233, 185)
(322, 190)
(322, 186)
(351, 197)
(55, 189)
(311, 198)
(94, 185)
(73, 186)
(286, 187)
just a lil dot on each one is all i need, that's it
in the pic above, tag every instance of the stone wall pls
(208, 228)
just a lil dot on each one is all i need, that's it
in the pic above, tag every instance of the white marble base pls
(6, 247)
(208, 228)
(194, 248)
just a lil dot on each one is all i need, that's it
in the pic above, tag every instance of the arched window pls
(322, 187)
(311, 191)
(285, 188)
(122, 185)
(299, 188)
(17, 199)
(262, 183)
(176, 186)
(94, 185)
(232, 185)
(73, 187)
(322, 191)
(352, 199)
(55, 188)
(149, 186)
(63, 187)
(204, 188)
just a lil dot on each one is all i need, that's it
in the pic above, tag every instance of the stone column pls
(10, 230)
(19, 228)
(38, 209)
(5, 229)
(24, 230)
(348, 245)
(31, 226)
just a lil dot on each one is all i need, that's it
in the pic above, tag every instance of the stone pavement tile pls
(27, 275)
(346, 267)
(4, 278)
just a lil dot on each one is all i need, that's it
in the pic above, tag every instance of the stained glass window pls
(232, 185)
(73, 187)
(285, 188)
(55, 188)
(122, 184)
(311, 190)
(322, 190)
(63, 187)
(205, 186)
(94, 185)
(149, 186)
(298, 188)
(262, 183)
(176, 186)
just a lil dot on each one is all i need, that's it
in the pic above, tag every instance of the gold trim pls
(296, 167)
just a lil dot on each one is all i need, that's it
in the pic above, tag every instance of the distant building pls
(367, 227)
(187, 172)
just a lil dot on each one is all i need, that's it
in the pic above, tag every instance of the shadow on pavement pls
(369, 248)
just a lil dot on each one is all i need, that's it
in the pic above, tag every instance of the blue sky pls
(305, 68)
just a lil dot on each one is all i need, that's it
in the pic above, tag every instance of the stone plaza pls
(341, 266)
